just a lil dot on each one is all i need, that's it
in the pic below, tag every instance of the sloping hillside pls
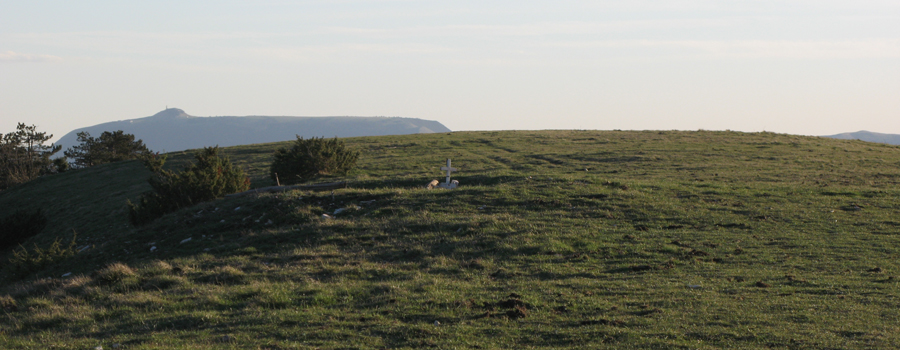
(555, 239)
(174, 130)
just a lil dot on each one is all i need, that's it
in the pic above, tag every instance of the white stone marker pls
(449, 169)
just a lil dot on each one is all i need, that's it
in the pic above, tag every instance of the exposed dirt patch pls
(512, 307)
(602, 321)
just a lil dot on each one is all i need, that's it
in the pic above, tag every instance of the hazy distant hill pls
(174, 130)
(869, 136)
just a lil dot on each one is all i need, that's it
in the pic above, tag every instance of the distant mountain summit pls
(170, 113)
(868, 136)
(174, 130)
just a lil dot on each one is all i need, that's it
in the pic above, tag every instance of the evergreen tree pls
(209, 178)
(310, 158)
(109, 147)
(23, 155)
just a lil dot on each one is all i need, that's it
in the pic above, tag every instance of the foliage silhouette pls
(24, 157)
(109, 147)
(310, 158)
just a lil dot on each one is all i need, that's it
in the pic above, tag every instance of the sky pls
(800, 67)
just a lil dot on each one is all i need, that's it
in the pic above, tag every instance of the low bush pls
(24, 262)
(19, 226)
(210, 177)
(310, 158)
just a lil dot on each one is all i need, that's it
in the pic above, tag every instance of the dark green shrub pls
(210, 177)
(24, 262)
(19, 226)
(309, 158)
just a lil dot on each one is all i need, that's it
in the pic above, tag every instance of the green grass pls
(555, 239)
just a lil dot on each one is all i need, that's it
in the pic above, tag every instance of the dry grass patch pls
(8, 303)
(227, 275)
(156, 268)
(114, 273)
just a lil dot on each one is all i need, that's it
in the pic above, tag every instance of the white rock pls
(185, 240)
(223, 221)
(238, 208)
(152, 248)
(67, 274)
(326, 216)
(269, 222)
(339, 210)
(437, 323)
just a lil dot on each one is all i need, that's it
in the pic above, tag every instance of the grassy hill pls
(555, 239)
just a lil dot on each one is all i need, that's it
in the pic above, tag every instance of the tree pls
(309, 158)
(209, 178)
(109, 147)
(24, 157)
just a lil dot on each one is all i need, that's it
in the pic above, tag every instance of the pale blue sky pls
(800, 67)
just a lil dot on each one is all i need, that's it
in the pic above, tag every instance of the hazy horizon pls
(799, 67)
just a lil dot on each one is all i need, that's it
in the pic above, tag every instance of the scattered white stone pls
(185, 240)
(481, 207)
(152, 248)
(223, 221)
(693, 286)
(437, 323)
(339, 210)
(326, 216)
(98, 348)
(459, 230)
(269, 222)
(238, 208)
(67, 274)
(116, 345)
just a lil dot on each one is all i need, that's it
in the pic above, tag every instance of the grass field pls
(554, 239)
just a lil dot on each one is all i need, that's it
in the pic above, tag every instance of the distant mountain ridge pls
(868, 136)
(174, 130)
